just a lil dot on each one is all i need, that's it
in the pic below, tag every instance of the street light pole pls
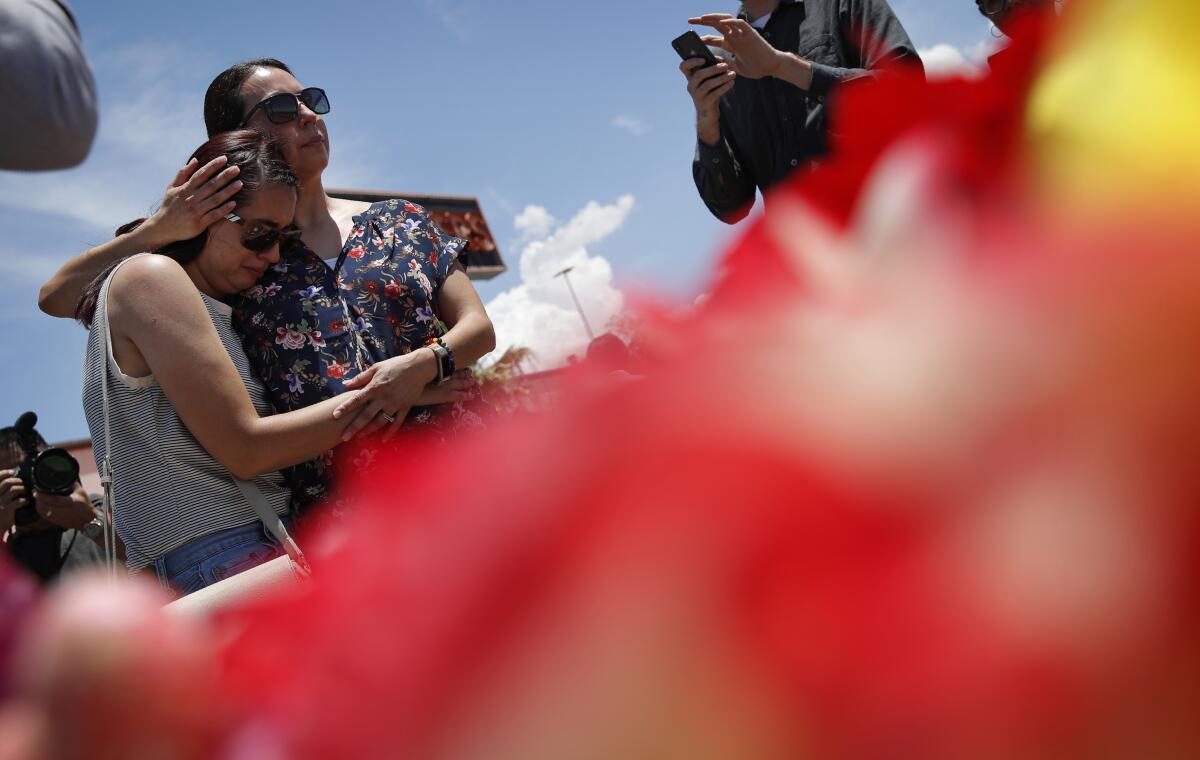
(588, 327)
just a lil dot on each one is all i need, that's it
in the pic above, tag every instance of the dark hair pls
(257, 156)
(11, 452)
(223, 107)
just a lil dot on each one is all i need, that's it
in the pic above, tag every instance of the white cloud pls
(539, 313)
(103, 200)
(534, 222)
(943, 61)
(630, 124)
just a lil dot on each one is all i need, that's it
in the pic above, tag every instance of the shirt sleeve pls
(724, 184)
(46, 86)
(448, 248)
(873, 38)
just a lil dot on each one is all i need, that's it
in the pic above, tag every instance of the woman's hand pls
(195, 199)
(391, 387)
(457, 388)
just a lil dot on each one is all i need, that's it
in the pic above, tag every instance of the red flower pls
(336, 370)
(357, 252)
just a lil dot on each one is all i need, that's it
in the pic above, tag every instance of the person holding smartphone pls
(761, 110)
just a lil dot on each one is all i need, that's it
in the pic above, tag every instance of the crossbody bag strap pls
(107, 521)
(273, 523)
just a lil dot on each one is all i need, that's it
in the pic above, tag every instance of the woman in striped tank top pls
(186, 414)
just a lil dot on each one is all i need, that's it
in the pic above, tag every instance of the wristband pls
(449, 351)
(445, 356)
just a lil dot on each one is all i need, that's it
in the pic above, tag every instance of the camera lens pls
(55, 471)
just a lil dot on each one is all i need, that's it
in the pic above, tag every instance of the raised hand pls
(753, 56)
(195, 199)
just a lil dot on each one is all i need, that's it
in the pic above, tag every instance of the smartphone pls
(689, 45)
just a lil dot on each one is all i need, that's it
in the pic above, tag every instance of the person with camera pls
(49, 532)
(762, 109)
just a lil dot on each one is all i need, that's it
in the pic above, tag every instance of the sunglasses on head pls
(261, 237)
(285, 106)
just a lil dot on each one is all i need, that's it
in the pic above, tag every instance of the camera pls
(51, 471)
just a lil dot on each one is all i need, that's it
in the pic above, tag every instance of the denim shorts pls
(214, 557)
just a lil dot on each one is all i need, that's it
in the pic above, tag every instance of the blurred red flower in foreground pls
(918, 481)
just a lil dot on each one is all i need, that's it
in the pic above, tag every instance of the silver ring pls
(388, 417)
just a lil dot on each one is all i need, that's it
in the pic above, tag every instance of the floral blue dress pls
(308, 327)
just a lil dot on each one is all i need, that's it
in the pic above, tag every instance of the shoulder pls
(150, 287)
(397, 210)
(346, 208)
(150, 270)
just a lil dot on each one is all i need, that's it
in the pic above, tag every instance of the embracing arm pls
(396, 385)
(154, 305)
(470, 335)
(197, 197)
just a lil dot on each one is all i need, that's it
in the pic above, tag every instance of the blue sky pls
(569, 117)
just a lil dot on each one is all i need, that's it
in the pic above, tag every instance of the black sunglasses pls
(285, 106)
(261, 237)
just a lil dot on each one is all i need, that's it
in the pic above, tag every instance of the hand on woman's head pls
(195, 199)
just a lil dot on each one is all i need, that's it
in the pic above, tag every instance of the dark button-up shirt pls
(768, 126)
(308, 327)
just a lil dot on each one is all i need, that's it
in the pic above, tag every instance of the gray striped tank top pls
(167, 488)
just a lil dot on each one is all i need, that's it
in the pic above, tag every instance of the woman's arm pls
(471, 334)
(393, 386)
(197, 197)
(156, 307)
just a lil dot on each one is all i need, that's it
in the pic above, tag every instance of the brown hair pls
(260, 162)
